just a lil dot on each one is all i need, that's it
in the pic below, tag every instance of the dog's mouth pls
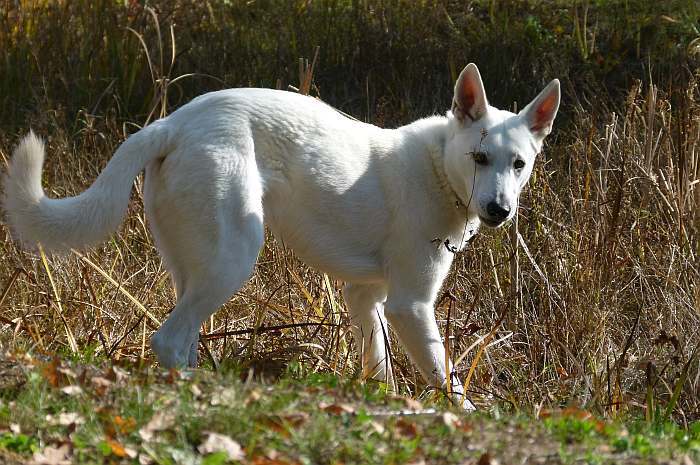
(492, 223)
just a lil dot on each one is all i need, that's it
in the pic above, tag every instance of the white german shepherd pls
(361, 203)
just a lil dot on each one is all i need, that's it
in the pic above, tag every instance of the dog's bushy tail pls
(83, 220)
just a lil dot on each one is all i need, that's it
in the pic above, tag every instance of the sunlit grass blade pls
(119, 287)
(69, 334)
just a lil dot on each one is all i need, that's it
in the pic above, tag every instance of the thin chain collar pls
(470, 227)
(438, 162)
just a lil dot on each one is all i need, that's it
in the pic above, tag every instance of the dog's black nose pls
(497, 212)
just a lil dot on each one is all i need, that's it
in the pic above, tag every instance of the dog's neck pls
(468, 226)
(471, 225)
(428, 137)
(437, 158)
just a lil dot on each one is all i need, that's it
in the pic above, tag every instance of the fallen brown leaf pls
(52, 456)
(412, 404)
(65, 419)
(68, 372)
(101, 385)
(253, 396)
(124, 425)
(116, 447)
(72, 390)
(377, 427)
(450, 420)
(336, 409)
(196, 391)
(50, 372)
(283, 423)
(262, 460)
(216, 442)
(486, 459)
(119, 375)
(223, 396)
(160, 421)
(406, 429)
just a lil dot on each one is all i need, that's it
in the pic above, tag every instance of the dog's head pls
(489, 153)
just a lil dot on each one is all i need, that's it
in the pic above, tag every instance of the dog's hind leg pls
(366, 308)
(210, 236)
(206, 286)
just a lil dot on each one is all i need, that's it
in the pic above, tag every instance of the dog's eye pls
(519, 164)
(479, 158)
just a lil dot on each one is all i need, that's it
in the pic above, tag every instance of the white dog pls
(361, 203)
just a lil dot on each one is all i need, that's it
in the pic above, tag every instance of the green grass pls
(125, 414)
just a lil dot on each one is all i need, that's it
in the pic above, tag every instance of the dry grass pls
(597, 284)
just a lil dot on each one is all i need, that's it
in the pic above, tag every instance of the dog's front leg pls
(366, 308)
(415, 325)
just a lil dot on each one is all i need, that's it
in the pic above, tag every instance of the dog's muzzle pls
(496, 215)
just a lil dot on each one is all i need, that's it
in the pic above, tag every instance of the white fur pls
(361, 203)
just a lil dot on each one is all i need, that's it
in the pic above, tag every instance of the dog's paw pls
(468, 406)
(462, 402)
(171, 354)
(459, 398)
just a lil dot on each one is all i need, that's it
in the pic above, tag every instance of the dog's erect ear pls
(540, 113)
(469, 101)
